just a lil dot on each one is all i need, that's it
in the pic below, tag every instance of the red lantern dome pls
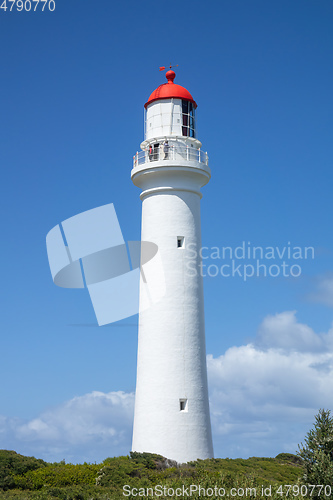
(169, 90)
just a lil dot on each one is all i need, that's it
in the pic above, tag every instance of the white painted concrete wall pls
(171, 350)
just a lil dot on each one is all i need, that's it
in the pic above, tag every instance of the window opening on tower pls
(183, 405)
(180, 241)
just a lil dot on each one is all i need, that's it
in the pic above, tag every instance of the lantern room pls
(170, 111)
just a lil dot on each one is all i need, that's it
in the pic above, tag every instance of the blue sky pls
(73, 85)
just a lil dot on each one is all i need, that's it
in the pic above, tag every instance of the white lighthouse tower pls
(171, 405)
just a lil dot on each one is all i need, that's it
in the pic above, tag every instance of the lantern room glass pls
(188, 117)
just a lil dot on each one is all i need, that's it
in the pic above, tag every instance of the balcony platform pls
(177, 153)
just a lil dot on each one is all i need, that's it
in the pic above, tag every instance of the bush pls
(58, 476)
(317, 453)
(12, 464)
(105, 481)
(289, 457)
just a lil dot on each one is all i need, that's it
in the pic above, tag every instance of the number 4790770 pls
(27, 5)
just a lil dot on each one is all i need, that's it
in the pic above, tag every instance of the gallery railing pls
(172, 152)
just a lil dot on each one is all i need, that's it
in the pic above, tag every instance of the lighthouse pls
(171, 414)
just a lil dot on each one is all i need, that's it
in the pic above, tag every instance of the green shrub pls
(317, 453)
(11, 464)
(289, 457)
(58, 476)
(144, 470)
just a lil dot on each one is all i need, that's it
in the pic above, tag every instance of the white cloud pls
(264, 395)
(86, 428)
(283, 331)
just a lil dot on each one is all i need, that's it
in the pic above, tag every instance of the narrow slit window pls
(180, 241)
(183, 404)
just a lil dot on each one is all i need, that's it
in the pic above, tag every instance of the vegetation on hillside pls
(310, 474)
(24, 478)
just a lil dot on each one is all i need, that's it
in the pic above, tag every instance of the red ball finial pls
(170, 76)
